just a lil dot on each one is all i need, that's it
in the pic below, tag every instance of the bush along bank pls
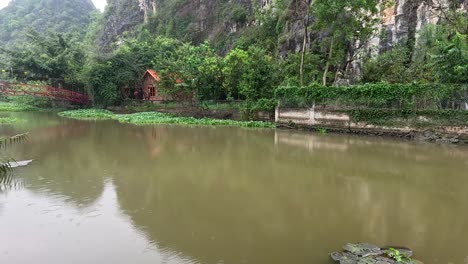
(415, 105)
(30, 103)
(427, 112)
(151, 118)
(15, 107)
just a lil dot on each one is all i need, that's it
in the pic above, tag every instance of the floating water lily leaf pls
(363, 249)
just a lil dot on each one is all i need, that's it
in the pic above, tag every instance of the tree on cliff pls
(347, 23)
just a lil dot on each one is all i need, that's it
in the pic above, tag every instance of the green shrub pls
(382, 95)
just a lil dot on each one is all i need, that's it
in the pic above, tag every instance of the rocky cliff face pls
(191, 20)
(197, 20)
(401, 23)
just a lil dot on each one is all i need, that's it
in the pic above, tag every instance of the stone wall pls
(316, 118)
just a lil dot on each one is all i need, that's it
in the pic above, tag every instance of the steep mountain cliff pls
(224, 22)
(42, 15)
(402, 22)
(187, 19)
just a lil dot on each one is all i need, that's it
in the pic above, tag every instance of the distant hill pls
(43, 15)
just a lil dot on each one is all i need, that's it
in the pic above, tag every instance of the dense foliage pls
(381, 95)
(250, 63)
(42, 15)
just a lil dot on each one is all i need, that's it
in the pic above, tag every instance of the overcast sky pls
(100, 4)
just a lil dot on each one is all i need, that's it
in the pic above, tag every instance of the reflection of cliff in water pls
(223, 194)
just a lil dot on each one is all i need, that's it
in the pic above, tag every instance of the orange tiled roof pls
(154, 74)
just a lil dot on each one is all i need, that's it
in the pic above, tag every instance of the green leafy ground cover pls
(88, 114)
(151, 118)
(15, 107)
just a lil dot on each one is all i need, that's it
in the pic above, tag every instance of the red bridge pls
(18, 89)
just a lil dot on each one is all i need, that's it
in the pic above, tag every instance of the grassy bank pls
(151, 118)
(15, 107)
(29, 103)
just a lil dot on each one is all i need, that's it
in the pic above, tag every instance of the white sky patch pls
(3, 3)
(100, 4)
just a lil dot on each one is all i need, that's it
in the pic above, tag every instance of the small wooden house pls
(152, 92)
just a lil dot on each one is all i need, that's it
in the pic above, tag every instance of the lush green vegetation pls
(41, 15)
(381, 95)
(427, 73)
(15, 107)
(398, 256)
(420, 105)
(88, 114)
(147, 118)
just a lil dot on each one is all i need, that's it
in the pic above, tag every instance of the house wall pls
(148, 82)
(160, 96)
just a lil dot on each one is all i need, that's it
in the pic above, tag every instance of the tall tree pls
(347, 22)
(306, 37)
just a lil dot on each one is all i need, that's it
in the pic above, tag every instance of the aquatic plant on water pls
(152, 118)
(160, 118)
(88, 114)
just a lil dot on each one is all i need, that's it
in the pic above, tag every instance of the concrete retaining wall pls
(335, 121)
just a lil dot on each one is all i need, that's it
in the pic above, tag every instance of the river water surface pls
(104, 192)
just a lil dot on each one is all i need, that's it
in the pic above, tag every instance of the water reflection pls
(211, 195)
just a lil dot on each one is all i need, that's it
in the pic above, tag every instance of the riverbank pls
(29, 103)
(315, 120)
(444, 127)
(425, 127)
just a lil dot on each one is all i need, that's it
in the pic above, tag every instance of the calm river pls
(104, 192)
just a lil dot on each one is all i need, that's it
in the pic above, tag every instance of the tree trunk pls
(304, 44)
(301, 70)
(327, 66)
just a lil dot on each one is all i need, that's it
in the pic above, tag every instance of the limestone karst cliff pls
(199, 20)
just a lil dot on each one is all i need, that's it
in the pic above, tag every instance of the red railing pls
(17, 89)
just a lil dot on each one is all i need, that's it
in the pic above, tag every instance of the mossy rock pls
(363, 253)
(363, 249)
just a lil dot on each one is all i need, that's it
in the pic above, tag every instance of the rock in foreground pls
(363, 253)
